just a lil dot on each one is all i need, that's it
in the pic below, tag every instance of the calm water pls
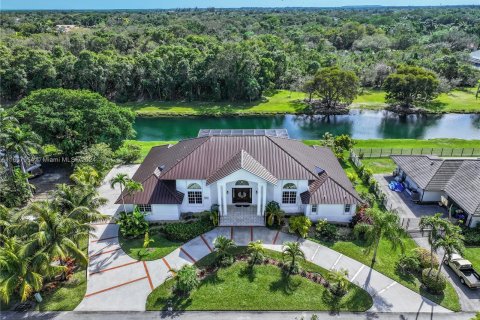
(360, 124)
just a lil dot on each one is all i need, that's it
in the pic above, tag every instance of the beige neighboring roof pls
(242, 160)
(420, 169)
(464, 187)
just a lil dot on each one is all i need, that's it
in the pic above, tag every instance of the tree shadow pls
(248, 272)
(287, 284)
(436, 106)
(333, 301)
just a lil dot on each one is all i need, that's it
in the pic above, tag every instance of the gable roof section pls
(326, 190)
(445, 172)
(464, 187)
(155, 191)
(421, 169)
(242, 160)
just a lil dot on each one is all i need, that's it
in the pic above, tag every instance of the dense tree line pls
(229, 54)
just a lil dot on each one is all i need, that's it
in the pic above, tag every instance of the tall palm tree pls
(256, 250)
(86, 176)
(132, 187)
(121, 179)
(451, 243)
(20, 144)
(291, 252)
(223, 246)
(435, 225)
(79, 202)
(7, 122)
(21, 270)
(56, 234)
(385, 224)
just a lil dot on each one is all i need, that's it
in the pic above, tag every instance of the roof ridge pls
(301, 164)
(341, 186)
(180, 160)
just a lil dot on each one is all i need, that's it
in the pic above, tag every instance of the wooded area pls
(234, 55)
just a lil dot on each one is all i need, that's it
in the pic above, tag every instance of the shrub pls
(300, 224)
(368, 197)
(186, 279)
(129, 153)
(326, 231)
(180, 231)
(423, 257)
(472, 235)
(361, 216)
(432, 283)
(99, 156)
(132, 224)
(352, 177)
(408, 264)
(367, 175)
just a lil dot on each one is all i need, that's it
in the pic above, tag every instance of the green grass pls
(159, 248)
(473, 255)
(282, 101)
(379, 165)
(386, 262)
(370, 99)
(145, 146)
(266, 288)
(67, 296)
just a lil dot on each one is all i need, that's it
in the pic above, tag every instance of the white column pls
(259, 199)
(264, 202)
(219, 197)
(224, 194)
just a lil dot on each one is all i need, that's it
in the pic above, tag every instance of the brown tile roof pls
(155, 191)
(326, 190)
(272, 158)
(242, 160)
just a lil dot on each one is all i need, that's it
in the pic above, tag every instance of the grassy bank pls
(473, 254)
(284, 101)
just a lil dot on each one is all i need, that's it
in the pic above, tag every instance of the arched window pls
(241, 183)
(289, 194)
(194, 193)
(289, 186)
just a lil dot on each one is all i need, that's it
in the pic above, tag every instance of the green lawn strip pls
(159, 248)
(370, 99)
(473, 255)
(145, 146)
(236, 288)
(379, 165)
(386, 263)
(282, 101)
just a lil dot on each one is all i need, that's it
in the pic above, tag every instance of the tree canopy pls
(74, 119)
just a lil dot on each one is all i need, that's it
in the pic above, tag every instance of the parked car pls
(464, 270)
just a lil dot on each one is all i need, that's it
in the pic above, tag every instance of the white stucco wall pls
(163, 212)
(432, 196)
(277, 190)
(206, 204)
(331, 212)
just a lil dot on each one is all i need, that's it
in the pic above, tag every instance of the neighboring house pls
(475, 59)
(242, 172)
(454, 182)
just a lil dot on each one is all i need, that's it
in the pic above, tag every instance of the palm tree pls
(435, 225)
(7, 122)
(86, 175)
(291, 252)
(223, 246)
(122, 180)
(56, 234)
(339, 279)
(132, 187)
(384, 226)
(256, 250)
(21, 270)
(274, 213)
(451, 243)
(79, 202)
(20, 144)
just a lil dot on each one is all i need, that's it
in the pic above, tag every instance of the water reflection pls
(360, 124)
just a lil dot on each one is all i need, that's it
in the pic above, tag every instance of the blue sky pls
(165, 4)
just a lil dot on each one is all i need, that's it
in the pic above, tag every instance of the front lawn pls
(473, 255)
(379, 165)
(159, 248)
(386, 263)
(266, 288)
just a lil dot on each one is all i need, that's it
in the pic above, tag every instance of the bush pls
(186, 279)
(423, 257)
(368, 197)
(326, 231)
(472, 235)
(300, 224)
(129, 153)
(352, 177)
(99, 156)
(132, 224)
(367, 175)
(360, 216)
(180, 231)
(408, 264)
(432, 283)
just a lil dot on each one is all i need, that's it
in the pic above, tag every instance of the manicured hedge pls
(185, 231)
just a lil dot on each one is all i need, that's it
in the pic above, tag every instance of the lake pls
(360, 124)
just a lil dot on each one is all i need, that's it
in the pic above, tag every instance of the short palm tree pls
(86, 176)
(385, 225)
(121, 179)
(223, 247)
(451, 243)
(22, 271)
(256, 250)
(274, 213)
(339, 281)
(435, 225)
(291, 252)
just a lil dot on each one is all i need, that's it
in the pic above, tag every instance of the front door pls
(241, 195)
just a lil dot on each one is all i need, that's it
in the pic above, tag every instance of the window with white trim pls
(289, 193)
(144, 207)
(314, 209)
(194, 194)
(347, 208)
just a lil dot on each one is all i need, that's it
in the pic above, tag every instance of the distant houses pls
(475, 59)
(64, 28)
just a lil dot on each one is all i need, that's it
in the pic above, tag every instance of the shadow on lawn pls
(287, 284)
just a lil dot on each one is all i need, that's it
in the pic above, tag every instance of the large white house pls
(241, 171)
